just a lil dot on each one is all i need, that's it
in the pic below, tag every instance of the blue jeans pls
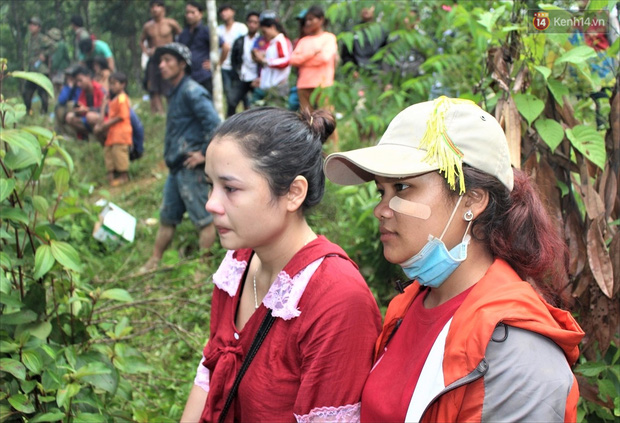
(185, 190)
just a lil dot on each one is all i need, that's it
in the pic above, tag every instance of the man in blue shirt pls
(196, 36)
(190, 122)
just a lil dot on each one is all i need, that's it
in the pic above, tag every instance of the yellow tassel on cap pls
(440, 149)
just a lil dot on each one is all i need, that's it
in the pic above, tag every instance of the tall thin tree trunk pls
(216, 71)
(60, 22)
(17, 21)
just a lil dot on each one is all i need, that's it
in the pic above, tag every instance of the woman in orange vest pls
(467, 339)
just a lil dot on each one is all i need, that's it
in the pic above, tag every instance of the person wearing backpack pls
(118, 140)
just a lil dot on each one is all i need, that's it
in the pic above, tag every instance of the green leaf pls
(558, 90)
(543, 70)
(92, 369)
(25, 149)
(5, 412)
(40, 330)
(36, 77)
(13, 367)
(40, 204)
(89, 418)
(550, 131)
(51, 416)
(5, 286)
(65, 393)
(577, 55)
(589, 142)
(117, 294)
(43, 261)
(15, 215)
(66, 157)
(32, 361)
(66, 255)
(21, 403)
(43, 134)
(61, 179)
(18, 139)
(19, 159)
(8, 347)
(529, 106)
(6, 187)
(591, 368)
(22, 316)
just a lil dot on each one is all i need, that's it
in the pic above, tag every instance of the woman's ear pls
(296, 193)
(476, 200)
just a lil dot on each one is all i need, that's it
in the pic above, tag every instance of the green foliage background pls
(83, 339)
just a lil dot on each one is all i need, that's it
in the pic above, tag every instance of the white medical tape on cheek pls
(410, 208)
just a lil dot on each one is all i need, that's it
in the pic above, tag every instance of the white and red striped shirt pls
(278, 67)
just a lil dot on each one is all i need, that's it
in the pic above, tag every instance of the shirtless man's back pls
(157, 32)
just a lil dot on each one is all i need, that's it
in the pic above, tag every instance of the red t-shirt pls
(391, 383)
(319, 359)
(93, 99)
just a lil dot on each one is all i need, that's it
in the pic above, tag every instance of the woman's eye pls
(400, 186)
(230, 189)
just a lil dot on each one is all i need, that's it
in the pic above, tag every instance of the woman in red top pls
(468, 339)
(265, 167)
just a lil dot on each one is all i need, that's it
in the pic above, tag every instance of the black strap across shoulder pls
(258, 340)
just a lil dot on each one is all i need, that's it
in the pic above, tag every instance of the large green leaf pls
(66, 255)
(117, 294)
(558, 90)
(589, 142)
(18, 318)
(32, 361)
(92, 369)
(21, 403)
(591, 368)
(529, 106)
(24, 148)
(13, 367)
(61, 179)
(39, 330)
(50, 416)
(43, 261)
(19, 159)
(543, 70)
(550, 131)
(36, 77)
(6, 187)
(577, 55)
(43, 134)
(66, 392)
(15, 215)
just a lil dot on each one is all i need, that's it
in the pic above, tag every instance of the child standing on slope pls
(118, 127)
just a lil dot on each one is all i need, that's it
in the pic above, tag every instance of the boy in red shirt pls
(118, 127)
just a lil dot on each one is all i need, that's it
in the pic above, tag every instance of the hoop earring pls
(468, 216)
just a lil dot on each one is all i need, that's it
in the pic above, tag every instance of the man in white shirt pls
(244, 65)
(229, 31)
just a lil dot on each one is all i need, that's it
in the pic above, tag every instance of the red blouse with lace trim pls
(311, 366)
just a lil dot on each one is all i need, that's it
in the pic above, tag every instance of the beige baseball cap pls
(435, 135)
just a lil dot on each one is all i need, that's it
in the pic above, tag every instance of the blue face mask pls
(434, 263)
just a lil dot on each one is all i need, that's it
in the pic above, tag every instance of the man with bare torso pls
(157, 32)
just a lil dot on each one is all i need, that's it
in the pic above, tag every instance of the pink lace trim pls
(284, 294)
(228, 275)
(343, 414)
(203, 376)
